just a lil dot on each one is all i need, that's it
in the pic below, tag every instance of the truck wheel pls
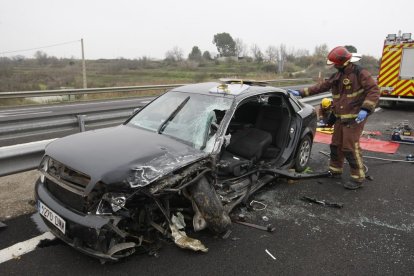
(303, 154)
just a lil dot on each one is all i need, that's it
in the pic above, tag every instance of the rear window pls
(407, 64)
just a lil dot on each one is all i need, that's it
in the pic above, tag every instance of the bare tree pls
(321, 50)
(257, 53)
(175, 54)
(241, 48)
(301, 53)
(271, 54)
(41, 57)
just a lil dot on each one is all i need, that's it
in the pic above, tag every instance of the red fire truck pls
(396, 75)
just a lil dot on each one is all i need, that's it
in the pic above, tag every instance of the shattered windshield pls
(192, 118)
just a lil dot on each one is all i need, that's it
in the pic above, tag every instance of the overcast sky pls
(132, 29)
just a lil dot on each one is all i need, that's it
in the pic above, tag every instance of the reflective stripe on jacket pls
(352, 90)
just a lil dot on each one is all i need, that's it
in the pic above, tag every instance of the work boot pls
(352, 185)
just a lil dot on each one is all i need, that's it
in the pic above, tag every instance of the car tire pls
(303, 154)
(210, 206)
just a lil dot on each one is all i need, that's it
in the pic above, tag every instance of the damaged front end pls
(114, 221)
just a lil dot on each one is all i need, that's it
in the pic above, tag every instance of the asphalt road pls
(29, 112)
(38, 115)
(373, 234)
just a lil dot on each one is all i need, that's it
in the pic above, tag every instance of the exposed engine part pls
(181, 178)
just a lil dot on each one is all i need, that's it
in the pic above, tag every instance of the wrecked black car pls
(188, 157)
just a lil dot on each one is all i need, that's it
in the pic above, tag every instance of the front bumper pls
(94, 235)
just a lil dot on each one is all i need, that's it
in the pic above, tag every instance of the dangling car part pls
(182, 163)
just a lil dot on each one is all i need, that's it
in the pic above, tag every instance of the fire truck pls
(396, 75)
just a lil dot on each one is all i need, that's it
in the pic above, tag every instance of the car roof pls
(229, 89)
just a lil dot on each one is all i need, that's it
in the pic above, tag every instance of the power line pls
(37, 48)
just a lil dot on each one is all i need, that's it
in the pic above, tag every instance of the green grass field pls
(52, 73)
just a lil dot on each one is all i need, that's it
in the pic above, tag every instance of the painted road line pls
(21, 248)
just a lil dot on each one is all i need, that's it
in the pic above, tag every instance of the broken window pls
(191, 118)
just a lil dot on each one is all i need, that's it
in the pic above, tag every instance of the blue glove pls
(362, 115)
(294, 92)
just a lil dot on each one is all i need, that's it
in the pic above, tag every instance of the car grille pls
(66, 197)
(60, 171)
(67, 185)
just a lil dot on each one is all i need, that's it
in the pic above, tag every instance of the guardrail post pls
(81, 122)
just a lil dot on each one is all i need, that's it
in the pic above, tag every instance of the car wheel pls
(303, 154)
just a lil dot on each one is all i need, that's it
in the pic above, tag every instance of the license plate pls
(51, 216)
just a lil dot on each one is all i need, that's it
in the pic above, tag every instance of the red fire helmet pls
(338, 56)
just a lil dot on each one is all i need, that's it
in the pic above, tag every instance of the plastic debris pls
(322, 202)
(257, 205)
(180, 237)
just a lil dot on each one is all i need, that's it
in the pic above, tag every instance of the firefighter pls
(355, 95)
(325, 113)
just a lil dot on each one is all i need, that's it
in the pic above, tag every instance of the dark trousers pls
(345, 144)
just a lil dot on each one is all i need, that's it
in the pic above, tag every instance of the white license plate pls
(51, 216)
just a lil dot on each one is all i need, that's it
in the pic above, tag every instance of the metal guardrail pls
(24, 157)
(20, 158)
(39, 128)
(60, 92)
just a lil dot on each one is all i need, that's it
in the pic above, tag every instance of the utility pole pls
(280, 61)
(83, 66)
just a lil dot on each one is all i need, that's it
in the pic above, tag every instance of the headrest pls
(275, 101)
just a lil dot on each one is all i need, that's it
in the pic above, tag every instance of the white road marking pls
(378, 109)
(21, 248)
(270, 254)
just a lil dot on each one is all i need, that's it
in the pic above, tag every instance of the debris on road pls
(257, 205)
(371, 133)
(180, 237)
(268, 228)
(369, 177)
(322, 202)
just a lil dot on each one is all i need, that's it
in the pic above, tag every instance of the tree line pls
(234, 58)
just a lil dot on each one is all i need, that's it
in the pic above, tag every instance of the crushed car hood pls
(122, 154)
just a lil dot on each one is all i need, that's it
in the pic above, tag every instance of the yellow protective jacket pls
(352, 89)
